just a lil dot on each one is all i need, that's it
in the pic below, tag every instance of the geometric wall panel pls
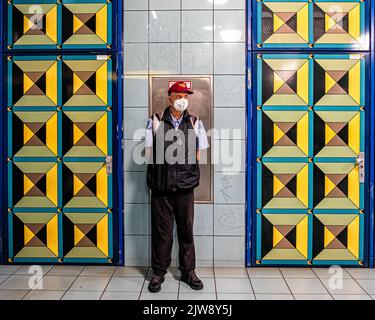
(85, 134)
(60, 137)
(85, 185)
(311, 24)
(35, 235)
(34, 184)
(65, 24)
(311, 112)
(34, 82)
(85, 82)
(285, 185)
(284, 237)
(285, 133)
(337, 237)
(338, 23)
(86, 235)
(337, 80)
(285, 82)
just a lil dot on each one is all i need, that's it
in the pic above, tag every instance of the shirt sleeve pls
(149, 138)
(202, 137)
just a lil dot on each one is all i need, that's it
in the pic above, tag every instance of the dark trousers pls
(165, 208)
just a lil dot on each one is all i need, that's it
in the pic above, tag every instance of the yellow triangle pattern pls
(77, 24)
(330, 82)
(27, 83)
(328, 186)
(78, 235)
(328, 237)
(277, 236)
(277, 23)
(27, 134)
(277, 185)
(277, 133)
(77, 185)
(329, 134)
(77, 83)
(77, 134)
(28, 235)
(329, 22)
(277, 82)
(27, 184)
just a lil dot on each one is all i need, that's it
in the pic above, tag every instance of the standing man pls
(174, 139)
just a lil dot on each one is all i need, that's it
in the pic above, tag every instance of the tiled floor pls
(130, 283)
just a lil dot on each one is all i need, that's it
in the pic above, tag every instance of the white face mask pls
(181, 104)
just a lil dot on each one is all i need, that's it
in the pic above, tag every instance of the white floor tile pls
(264, 273)
(130, 272)
(65, 271)
(348, 286)
(297, 273)
(312, 297)
(262, 296)
(306, 286)
(6, 269)
(235, 296)
(159, 296)
(82, 295)
(367, 285)
(120, 296)
(233, 285)
(44, 295)
(90, 283)
(273, 286)
(125, 284)
(327, 273)
(56, 283)
(231, 273)
(17, 283)
(357, 273)
(98, 271)
(196, 296)
(30, 270)
(351, 297)
(12, 294)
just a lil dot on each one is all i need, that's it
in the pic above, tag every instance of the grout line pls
(282, 275)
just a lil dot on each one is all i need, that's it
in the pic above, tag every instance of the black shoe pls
(192, 280)
(155, 283)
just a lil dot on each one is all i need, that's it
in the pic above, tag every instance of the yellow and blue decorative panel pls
(311, 24)
(59, 24)
(310, 134)
(59, 140)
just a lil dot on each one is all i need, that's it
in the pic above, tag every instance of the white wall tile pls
(229, 4)
(230, 91)
(232, 119)
(137, 219)
(136, 58)
(229, 251)
(165, 26)
(229, 188)
(136, 4)
(136, 190)
(137, 250)
(136, 26)
(204, 251)
(197, 26)
(135, 119)
(165, 58)
(229, 58)
(229, 220)
(164, 4)
(197, 4)
(203, 218)
(135, 91)
(133, 155)
(197, 58)
(229, 26)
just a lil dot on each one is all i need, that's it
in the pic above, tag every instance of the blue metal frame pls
(252, 87)
(116, 52)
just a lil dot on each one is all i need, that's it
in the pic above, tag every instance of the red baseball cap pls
(179, 87)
